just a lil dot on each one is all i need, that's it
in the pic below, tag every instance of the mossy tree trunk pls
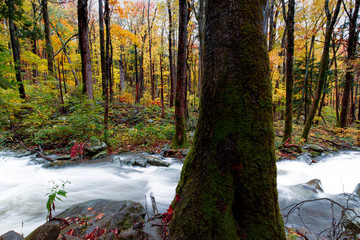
(179, 139)
(227, 188)
(289, 69)
(324, 65)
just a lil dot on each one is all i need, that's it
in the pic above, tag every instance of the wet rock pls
(69, 237)
(185, 151)
(105, 214)
(101, 154)
(11, 235)
(357, 190)
(315, 154)
(47, 231)
(63, 157)
(129, 234)
(152, 229)
(351, 221)
(306, 234)
(24, 154)
(315, 184)
(154, 161)
(95, 146)
(139, 160)
(314, 147)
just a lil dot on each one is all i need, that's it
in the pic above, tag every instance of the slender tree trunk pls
(162, 79)
(172, 71)
(84, 48)
(122, 77)
(337, 99)
(272, 24)
(349, 76)
(289, 70)
(63, 71)
(227, 188)
(15, 47)
(60, 87)
(324, 64)
(306, 77)
(137, 83)
(49, 49)
(179, 139)
(102, 48)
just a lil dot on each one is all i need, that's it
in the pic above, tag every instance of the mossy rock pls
(47, 231)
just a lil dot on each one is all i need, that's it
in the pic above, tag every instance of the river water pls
(24, 183)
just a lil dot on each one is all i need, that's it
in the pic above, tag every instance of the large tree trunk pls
(84, 48)
(227, 188)
(289, 70)
(15, 47)
(49, 49)
(324, 64)
(349, 76)
(180, 132)
(172, 74)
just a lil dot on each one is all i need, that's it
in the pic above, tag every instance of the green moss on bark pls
(227, 187)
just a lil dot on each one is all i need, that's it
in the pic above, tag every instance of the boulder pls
(102, 214)
(154, 161)
(153, 227)
(350, 220)
(11, 235)
(95, 146)
(101, 154)
(139, 160)
(47, 231)
(314, 147)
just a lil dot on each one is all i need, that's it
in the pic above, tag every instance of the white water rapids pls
(24, 184)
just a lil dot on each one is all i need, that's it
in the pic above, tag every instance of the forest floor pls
(144, 128)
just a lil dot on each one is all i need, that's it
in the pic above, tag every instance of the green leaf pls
(62, 193)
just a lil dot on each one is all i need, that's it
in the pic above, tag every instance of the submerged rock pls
(351, 220)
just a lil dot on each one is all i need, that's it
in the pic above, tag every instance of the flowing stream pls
(24, 183)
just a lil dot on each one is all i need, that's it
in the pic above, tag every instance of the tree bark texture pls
(49, 49)
(227, 188)
(180, 100)
(289, 69)
(172, 74)
(349, 76)
(102, 47)
(15, 47)
(324, 65)
(83, 28)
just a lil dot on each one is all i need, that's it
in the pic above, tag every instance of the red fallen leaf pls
(99, 216)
